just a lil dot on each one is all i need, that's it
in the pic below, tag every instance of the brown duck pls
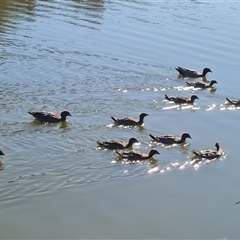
(201, 84)
(170, 138)
(137, 155)
(129, 121)
(234, 102)
(117, 144)
(192, 73)
(210, 153)
(50, 116)
(181, 100)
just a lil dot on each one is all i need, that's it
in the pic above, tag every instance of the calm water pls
(117, 58)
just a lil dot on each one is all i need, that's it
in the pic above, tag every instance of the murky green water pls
(105, 58)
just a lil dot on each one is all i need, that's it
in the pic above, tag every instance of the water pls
(105, 58)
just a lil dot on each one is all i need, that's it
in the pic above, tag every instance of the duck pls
(137, 155)
(234, 102)
(210, 153)
(171, 139)
(117, 144)
(50, 116)
(192, 73)
(129, 121)
(181, 100)
(201, 84)
(1, 152)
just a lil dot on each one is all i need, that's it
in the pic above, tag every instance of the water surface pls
(105, 58)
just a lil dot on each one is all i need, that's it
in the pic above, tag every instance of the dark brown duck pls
(117, 144)
(210, 153)
(181, 99)
(129, 121)
(170, 138)
(137, 155)
(50, 116)
(201, 84)
(186, 72)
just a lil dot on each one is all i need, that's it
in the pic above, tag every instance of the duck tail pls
(30, 112)
(196, 153)
(178, 69)
(119, 153)
(114, 119)
(153, 137)
(189, 84)
(100, 143)
(167, 97)
(229, 100)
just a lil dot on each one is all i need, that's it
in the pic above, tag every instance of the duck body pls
(117, 144)
(170, 138)
(234, 102)
(129, 121)
(50, 116)
(210, 153)
(182, 100)
(186, 72)
(201, 84)
(137, 155)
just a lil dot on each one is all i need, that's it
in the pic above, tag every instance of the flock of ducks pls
(117, 145)
(169, 139)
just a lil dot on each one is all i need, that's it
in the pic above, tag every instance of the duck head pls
(205, 71)
(213, 82)
(132, 140)
(185, 135)
(153, 152)
(193, 97)
(64, 114)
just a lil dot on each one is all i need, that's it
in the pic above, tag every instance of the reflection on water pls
(13, 12)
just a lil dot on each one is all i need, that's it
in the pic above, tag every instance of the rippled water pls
(105, 58)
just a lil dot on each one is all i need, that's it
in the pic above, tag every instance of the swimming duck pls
(201, 84)
(181, 100)
(50, 116)
(192, 73)
(210, 153)
(137, 155)
(117, 144)
(234, 102)
(1, 153)
(129, 121)
(170, 138)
